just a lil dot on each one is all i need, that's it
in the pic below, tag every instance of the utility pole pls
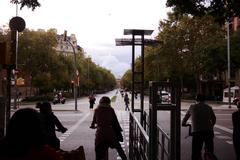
(16, 65)
(229, 71)
(76, 73)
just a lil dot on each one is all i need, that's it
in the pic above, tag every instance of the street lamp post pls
(16, 67)
(75, 69)
(228, 74)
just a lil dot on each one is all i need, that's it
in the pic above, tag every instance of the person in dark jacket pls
(25, 139)
(50, 123)
(236, 131)
(92, 100)
(203, 120)
(108, 132)
(126, 100)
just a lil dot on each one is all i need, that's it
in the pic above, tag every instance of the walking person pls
(92, 100)
(236, 131)
(50, 122)
(108, 132)
(126, 100)
(25, 139)
(203, 121)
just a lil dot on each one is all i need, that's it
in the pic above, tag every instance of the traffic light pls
(3, 52)
(12, 58)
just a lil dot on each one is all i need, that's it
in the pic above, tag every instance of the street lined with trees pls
(46, 70)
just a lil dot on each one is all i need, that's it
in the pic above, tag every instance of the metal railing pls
(139, 140)
(163, 144)
(148, 141)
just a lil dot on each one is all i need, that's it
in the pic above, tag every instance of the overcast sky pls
(96, 24)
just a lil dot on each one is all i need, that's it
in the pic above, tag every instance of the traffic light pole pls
(75, 70)
(75, 75)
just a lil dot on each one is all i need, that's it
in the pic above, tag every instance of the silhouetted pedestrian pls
(126, 100)
(25, 139)
(203, 121)
(92, 100)
(136, 94)
(108, 132)
(50, 122)
(236, 131)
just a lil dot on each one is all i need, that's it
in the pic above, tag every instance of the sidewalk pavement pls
(216, 106)
(82, 105)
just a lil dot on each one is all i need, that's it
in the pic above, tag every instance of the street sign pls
(17, 24)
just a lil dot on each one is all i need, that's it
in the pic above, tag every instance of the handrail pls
(138, 140)
(164, 151)
(164, 133)
(144, 133)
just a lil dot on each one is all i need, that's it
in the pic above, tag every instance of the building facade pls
(64, 47)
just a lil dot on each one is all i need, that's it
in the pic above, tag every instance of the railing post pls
(153, 146)
(156, 103)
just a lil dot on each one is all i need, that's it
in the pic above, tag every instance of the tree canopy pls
(48, 69)
(28, 3)
(221, 10)
(192, 49)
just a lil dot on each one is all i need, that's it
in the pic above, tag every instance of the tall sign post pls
(8, 62)
(17, 24)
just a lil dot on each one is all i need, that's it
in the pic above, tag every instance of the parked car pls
(165, 96)
(58, 98)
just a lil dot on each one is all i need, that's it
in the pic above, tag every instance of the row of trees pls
(49, 70)
(190, 49)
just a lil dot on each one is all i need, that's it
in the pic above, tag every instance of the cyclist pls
(203, 121)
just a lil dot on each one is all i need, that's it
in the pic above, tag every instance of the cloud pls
(110, 60)
(117, 59)
(112, 63)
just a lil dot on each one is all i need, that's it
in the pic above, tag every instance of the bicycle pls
(207, 155)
